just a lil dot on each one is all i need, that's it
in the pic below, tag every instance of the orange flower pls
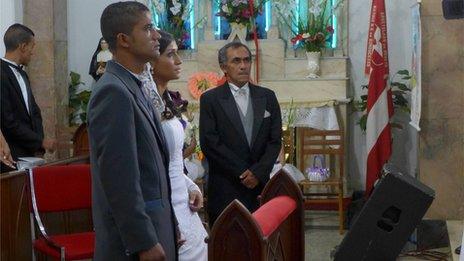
(200, 82)
(201, 156)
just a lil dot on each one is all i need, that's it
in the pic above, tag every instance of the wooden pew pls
(239, 235)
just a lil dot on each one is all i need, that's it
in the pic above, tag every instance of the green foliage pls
(78, 100)
(400, 87)
(291, 114)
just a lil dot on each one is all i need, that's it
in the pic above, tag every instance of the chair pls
(330, 145)
(60, 189)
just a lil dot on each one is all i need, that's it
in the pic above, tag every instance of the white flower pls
(238, 2)
(225, 9)
(315, 7)
(176, 7)
(158, 6)
(316, 10)
(186, 14)
(305, 35)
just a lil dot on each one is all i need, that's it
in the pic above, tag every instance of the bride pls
(185, 195)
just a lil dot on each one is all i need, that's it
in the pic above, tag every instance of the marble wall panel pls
(431, 7)
(38, 15)
(441, 150)
(48, 69)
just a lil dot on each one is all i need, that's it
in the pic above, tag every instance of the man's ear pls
(22, 47)
(123, 40)
(223, 68)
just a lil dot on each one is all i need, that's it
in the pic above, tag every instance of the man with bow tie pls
(240, 133)
(21, 120)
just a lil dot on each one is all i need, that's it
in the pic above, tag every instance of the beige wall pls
(441, 153)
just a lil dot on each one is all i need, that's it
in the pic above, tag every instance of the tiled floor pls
(321, 236)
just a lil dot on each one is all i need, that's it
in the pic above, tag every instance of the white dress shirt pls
(241, 96)
(21, 82)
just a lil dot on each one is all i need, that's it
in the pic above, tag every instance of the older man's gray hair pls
(222, 54)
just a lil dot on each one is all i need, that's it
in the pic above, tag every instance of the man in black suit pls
(240, 133)
(21, 121)
(132, 211)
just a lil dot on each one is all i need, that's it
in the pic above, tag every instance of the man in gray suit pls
(132, 212)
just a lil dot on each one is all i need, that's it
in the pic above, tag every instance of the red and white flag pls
(379, 99)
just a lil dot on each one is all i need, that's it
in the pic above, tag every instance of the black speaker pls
(388, 218)
(453, 9)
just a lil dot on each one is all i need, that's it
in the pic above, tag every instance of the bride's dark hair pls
(174, 104)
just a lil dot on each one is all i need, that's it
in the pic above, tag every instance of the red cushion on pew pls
(270, 215)
(77, 246)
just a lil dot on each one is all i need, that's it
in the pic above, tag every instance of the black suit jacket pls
(223, 140)
(23, 131)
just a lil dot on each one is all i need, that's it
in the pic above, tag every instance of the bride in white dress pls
(185, 195)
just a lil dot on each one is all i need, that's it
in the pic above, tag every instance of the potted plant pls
(240, 15)
(78, 101)
(400, 86)
(312, 34)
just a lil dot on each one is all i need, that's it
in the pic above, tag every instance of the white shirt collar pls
(6, 60)
(234, 88)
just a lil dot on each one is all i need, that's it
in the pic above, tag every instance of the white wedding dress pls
(190, 224)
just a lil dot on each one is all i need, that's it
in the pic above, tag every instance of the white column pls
(208, 13)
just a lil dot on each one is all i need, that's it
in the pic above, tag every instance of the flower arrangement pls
(400, 88)
(200, 82)
(172, 17)
(314, 33)
(239, 11)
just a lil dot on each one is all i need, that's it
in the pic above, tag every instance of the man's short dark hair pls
(222, 54)
(15, 35)
(118, 18)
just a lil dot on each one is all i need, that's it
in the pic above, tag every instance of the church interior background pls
(67, 33)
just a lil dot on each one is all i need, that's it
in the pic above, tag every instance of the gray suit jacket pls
(131, 203)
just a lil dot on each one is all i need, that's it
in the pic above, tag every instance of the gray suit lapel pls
(259, 106)
(229, 106)
(132, 86)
